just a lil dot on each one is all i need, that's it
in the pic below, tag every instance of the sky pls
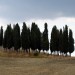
(54, 12)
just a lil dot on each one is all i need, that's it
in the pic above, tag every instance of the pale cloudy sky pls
(54, 12)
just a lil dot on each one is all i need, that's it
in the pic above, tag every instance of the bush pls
(36, 53)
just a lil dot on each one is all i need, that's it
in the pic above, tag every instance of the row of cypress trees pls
(60, 41)
(26, 39)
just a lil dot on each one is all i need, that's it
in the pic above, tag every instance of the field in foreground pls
(37, 66)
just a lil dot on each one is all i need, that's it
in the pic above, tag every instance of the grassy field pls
(13, 63)
(37, 66)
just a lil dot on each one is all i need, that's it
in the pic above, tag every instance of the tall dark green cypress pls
(29, 39)
(5, 40)
(42, 41)
(24, 37)
(38, 39)
(1, 36)
(54, 41)
(61, 41)
(16, 37)
(57, 41)
(9, 37)
(35, 37)
(65, 40)
(45, 38)
(71, 42)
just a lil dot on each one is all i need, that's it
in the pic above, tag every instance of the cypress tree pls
(33, 37)
(71, 42)
(45, 38)
(42, 41)
(9, 37)
(29, 39)
(24, 37)
(57, 41)
(65, 40)
(61, 41)
(39, 40)
(5, 40)
(1, 36)
(54, 41)
(16, 37)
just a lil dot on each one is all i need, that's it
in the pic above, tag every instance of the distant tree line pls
(28, 39)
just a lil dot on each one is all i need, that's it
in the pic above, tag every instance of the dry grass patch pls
(13, 63)
(36, 66)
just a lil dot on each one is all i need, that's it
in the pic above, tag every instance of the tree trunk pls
(26, 51)
(39, 51)
(58, 53)
(66, 54)
(51, 53)
(70, 54)
(29, 50)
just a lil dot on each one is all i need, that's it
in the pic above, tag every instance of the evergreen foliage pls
(71, 42)
(61, 41)
(5, 40)
(54, 42)
(32, 39)
(45, 38)
(65, 40)
(16, 37)
(24, 39)
(29, 39)
(9, 37)
(1, 36)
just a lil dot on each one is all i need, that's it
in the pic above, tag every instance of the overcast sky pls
(21, 10)
(54, 12)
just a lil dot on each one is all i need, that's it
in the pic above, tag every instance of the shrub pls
(36, 53)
